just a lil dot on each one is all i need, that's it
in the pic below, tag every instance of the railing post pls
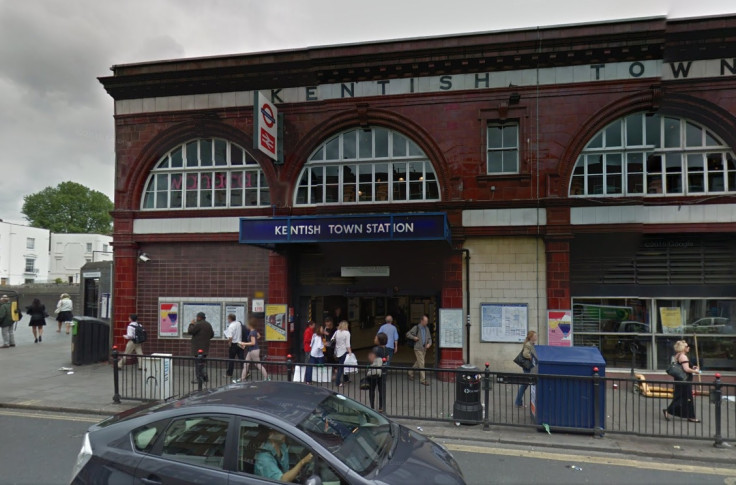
(115, 375)
(716, 396)
(199, 369)
(486, 397)
(289, 368)
(597, 426)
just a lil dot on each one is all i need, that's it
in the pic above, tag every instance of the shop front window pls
(653, 155)
(377, 165)
(206, 173)
(642, 332)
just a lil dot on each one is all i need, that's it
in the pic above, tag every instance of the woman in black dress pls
(37, 312)
(682, 404)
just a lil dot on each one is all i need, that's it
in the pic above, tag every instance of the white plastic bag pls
(349, 361)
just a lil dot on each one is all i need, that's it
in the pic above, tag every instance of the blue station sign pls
(347, 228)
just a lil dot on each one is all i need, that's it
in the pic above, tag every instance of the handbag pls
(676, 371)
(522, 361)
(364, 383)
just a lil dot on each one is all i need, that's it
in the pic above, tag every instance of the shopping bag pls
(319, 373)
(351, 360)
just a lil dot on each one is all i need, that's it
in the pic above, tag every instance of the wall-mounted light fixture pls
(143, 257)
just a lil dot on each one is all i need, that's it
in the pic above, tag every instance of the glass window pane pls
(318, 155)
(332, 149)
(265, 196)
(191, 198)
(162, 181)
(613, 134)
(399, 145)
(671, 133)
(635, 183)
(654, 183)
(148, 200)
(220, 152)
(634, 162)
(510, 161)
(596, 142)
(495, 162)
(205, 152)
(197, 440)
(164, 162)
(433, 190)
(614, 184)
(710, 139)
(695, 182)
(301, 195)
(205, 191)
(416, 171)
(365, 143)
(595, 184)
(176, 199)
(579, 166)
(236, 155)
(595, 164)
(693, 135)
(673, 162)
(381, 137)
(613, 163)
(414, 150)
(176, 158)
(653, 127)
(400, 182)
(654, 164)
(192, 154)
(577, 185)
(695, 162)
(494, 137)
(634, 130)
(332, 177)
(510, 138)
(348, 145)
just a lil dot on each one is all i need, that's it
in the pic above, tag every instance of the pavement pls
(40, 376)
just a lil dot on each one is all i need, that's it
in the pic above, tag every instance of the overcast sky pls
(56, 119)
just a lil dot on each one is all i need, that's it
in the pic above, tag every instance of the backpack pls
(140, 334)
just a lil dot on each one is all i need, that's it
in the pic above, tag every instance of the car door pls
(191, 450)
(253, 446)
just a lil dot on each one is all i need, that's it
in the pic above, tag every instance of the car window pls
(145, 436)
(270, 453)
(198, 440)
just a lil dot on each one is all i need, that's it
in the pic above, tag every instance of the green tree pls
(69, 208)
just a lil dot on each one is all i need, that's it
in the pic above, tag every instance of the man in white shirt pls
(131, 346)
(234, 334)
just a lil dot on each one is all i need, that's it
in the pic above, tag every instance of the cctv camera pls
(144, 257)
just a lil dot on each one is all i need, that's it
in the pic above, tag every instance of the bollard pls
(486, 397)
(716, 396)
(289, 368)
(199, 369)
(597, 425)
(115, 375)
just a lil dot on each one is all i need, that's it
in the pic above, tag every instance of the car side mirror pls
(313, 480)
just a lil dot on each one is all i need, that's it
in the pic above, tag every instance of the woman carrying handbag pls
(682, 404)
(527, 364)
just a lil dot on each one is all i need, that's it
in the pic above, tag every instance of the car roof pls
(291, 402)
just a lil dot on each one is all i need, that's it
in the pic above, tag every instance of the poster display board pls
(671, 319)
(451, 328)
(237, 309)
(213, 312)
(275, 323)
(503, 322)
(559, 328)
(168, 319)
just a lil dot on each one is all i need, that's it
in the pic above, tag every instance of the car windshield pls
(355, 434)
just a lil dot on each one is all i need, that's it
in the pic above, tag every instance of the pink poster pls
(168, 320)
(559, 328)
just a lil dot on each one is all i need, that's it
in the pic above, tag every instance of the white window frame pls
(30, 243)
(502, 148)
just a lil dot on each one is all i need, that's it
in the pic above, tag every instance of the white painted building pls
(24, 254)
(69, 252)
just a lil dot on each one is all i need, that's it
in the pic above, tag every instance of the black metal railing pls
(593, 404)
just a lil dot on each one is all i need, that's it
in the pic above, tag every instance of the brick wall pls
(505, 270)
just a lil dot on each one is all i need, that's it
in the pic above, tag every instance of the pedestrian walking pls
(307, 341)
(132, 344)
(682, 404)
(235, 336)
(420, 337)
(330, 330)
(392, 345)
(201, 331)
(375, 374)
(342, 350)
(527, 364)
(37, 311)
(64, 313)
(7, 322)
(316, 352)
(253, 352)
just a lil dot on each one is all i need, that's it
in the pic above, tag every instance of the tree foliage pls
(69, 208)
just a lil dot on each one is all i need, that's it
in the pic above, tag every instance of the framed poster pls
(237, 309)
(212, 311)
(503, 322)
(559, 328)
(275, 323)
(168, 319)
(451, 328)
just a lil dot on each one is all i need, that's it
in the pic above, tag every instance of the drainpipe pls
(467, 305)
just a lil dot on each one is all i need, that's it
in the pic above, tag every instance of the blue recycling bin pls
(565, 402)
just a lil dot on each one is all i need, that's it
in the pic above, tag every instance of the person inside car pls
(272, 460)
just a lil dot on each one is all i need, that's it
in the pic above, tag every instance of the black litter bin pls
(467, 408)
(90, 340)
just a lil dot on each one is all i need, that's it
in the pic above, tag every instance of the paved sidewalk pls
(31, 379)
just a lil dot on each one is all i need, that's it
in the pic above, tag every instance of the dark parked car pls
(256, 433)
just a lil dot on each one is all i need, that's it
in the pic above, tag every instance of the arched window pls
(206, 173)
(364, 166)
(653, 155)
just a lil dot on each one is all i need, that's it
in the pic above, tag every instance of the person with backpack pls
(135, 334)
(235, 333)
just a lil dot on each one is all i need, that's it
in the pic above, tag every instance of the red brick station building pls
(575, 177)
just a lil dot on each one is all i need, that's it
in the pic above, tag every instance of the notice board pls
(503, 322)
